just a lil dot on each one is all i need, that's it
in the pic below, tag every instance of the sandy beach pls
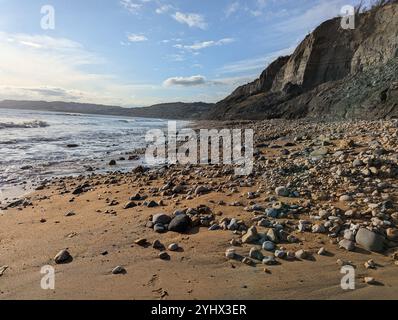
(328, 177)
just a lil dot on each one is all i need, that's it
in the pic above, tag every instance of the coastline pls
(103, 231)
(25, 175)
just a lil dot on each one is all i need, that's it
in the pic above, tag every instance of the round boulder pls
(180, 223)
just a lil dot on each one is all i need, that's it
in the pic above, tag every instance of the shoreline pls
(312, 182)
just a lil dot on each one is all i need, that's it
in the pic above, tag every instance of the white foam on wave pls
(24, 125)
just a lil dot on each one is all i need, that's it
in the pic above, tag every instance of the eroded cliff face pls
(329, 54)
(378, 35)
(262, 84)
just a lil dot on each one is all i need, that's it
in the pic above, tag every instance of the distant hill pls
(177, 110)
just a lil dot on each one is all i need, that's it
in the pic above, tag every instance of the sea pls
(38, 145)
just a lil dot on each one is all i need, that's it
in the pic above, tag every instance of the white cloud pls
(185, 81)
(51, 69)
(191, 19)
(39, 41)
(199, 80)
(132, 7)
(164, 9)
(132, 37)
(205, 44)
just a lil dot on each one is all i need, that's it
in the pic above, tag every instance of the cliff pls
(330, 59)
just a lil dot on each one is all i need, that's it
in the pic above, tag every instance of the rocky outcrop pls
(262, 84)
(325, 61)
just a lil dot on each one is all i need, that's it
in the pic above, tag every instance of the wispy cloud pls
(40, 41)
(253, 64)
(204, 44)
(193, 20)
(232, 8)
(31, 66)
(131, 6)
(164, 8)
(132, 37)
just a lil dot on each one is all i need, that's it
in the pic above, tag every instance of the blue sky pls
(141, 52)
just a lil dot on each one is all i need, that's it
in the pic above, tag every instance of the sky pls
(142, 52)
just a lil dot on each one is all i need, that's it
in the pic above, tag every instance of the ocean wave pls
(31, 141)
(24, 125)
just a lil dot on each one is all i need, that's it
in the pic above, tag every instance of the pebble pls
(301, 255)
(318, 228)
(159, 228)
(343, 263)
(233, 225)
(370, 281)
(345, 198)
(119, 270)
(201, 190)
(230, 253)
(129, 205)
(280, 254)
(269, 261)
(322, 252)
(273, 235)
(370, 264)
(161, 218)
(282, 192)
(3, 269)
(214, 227)
(173, 247)
(236, 242)
(268, 246)
(157, 245)
(152, 204)
(319, 153)
(164, 256)
(141, 242)
(349, 235)
(392, 234)
(251, 235)
(347, 244)
(62, 257)
(248, 262)
(256, 254)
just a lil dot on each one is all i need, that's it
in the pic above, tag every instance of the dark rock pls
(152, 204)
(180, 223)
(129, 205)
(119, 270)
(63, 257)
(161, 218)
